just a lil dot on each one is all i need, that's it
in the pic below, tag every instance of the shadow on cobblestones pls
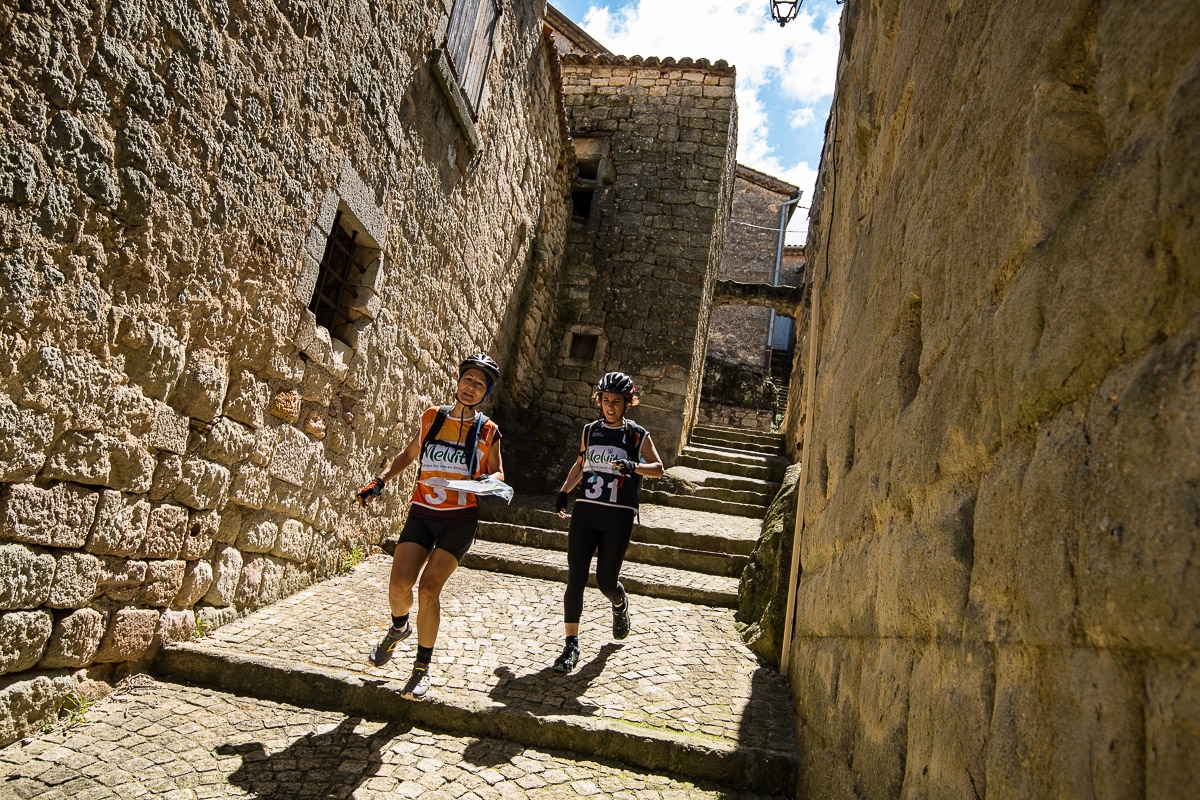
(548, 692)
(761, 720)
(491, 752)
(331, 764)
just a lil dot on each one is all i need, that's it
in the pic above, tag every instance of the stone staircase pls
(725, 470)
(682, 696)
(781, 371)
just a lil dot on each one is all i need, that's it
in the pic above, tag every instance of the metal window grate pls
(336, 280)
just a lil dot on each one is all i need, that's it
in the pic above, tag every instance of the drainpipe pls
(775, 280)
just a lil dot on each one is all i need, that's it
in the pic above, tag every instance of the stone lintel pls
(784, 299)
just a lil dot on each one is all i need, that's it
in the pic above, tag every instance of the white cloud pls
(800, 60)
(802, 116)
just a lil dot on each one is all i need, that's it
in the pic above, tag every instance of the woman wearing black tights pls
(614, 454)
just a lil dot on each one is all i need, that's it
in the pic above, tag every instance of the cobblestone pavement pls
(644, 573)
(683, 670)
(180, 743)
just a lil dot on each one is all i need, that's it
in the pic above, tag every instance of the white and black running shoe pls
(418, 683)
(382, 652)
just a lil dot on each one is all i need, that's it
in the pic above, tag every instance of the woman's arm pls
(405, 457)
(652, 466)
(574, 475)
(495, 464)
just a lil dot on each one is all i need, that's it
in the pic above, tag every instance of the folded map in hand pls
(483, 488)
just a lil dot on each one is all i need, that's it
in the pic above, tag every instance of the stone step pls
(680, 480)
(682, 695)
(720, 480)
(159, 739)
(732, 463)
(666, 583)
(654, 554)
(756, 511)
(741, 497)
(726, 455)
(657, 525)
(734, 444)
(738, 434)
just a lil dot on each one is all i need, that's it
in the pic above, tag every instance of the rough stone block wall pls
(181, 440)
(999, 594)
(739, 333)
(735, 417)
(640, 270)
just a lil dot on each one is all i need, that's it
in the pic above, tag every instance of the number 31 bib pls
(602, 484)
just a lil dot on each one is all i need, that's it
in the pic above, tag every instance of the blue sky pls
(785, 75)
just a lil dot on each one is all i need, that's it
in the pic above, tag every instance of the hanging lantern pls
(784, 11)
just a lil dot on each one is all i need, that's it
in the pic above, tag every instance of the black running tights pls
(595, 528)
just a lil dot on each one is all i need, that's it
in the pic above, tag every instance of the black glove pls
(561, 505)
(625, 466)
(372, 489)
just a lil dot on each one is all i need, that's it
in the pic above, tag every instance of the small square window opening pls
(581, 203)
(583, 346)
(589, 169)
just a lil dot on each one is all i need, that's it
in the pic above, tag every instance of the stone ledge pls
(457, 101)
(784, 299)
(312, 686)
(721, 67)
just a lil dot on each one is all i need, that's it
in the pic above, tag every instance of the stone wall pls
(739, 333)
(735, 417)
(181, 439)
(638, 270)
(998, 593)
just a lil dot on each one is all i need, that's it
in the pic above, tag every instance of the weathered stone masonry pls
(638, 270)
(739, 333)
(998, 595)
(180, 439)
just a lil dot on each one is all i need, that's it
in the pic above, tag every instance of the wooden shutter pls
(462, 30)
(469, 45)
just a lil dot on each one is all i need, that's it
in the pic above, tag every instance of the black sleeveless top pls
(602, 484)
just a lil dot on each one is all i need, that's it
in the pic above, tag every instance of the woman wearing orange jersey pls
(441, 522)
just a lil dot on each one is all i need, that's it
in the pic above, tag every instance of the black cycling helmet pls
(617, 383)
(485, 364)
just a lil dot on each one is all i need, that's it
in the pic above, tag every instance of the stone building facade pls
(743, 339)
(736, 333)
(654, 144)
(997, 595)
(183, 426)
(243, 247)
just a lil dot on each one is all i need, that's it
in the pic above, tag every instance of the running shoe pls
(621, 620)
(569, 658)
(382, 652)
(418, 683)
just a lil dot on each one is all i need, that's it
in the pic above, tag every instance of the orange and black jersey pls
(445, 456)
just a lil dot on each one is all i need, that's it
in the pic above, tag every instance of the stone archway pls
(737, 362)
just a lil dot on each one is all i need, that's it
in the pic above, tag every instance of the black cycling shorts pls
(453, 536)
